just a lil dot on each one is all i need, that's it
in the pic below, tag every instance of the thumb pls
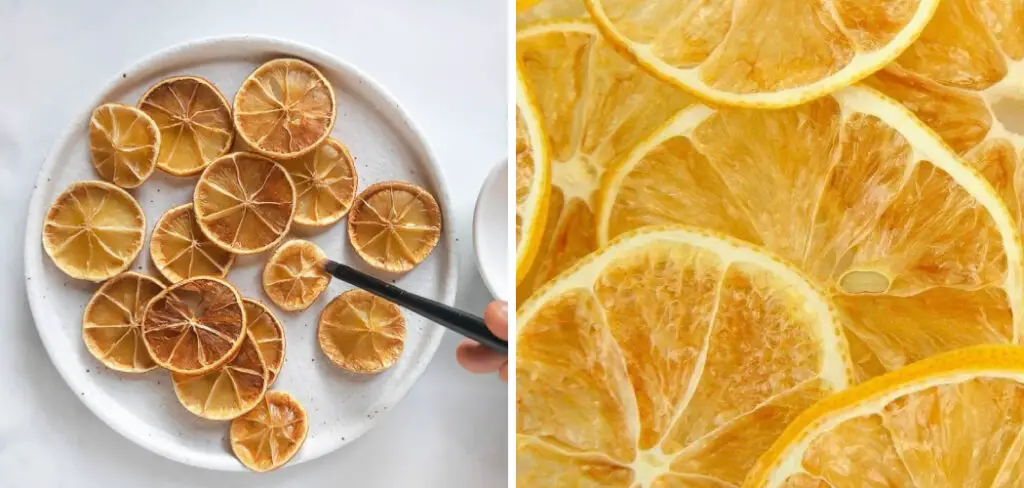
(496, 318)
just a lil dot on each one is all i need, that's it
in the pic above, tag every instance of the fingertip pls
(496, 318)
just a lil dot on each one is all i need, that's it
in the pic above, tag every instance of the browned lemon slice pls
(325, 182)
(266, 330)
(112, 324)
(394, 225)
(194, 121)
(94, 230)
(244, 203)
(195, 326)
(228, 391)
(180, 250)
(269, 435)
(294, 277)
(123, 141)
(285, 109)
(361, 332)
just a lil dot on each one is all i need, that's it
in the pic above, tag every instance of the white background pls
(444, 60)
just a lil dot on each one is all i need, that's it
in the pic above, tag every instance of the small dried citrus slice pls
(195, 325)
(194, 120)
(394, 225)
(124, 142)
(285, 109)
(229, 390)
(180, 250)
(361, 332)
(271, 433)
(294, 276)
(112, 323)
(94, 230)
(244, 203)
(266, 330)
(325, 183)
(533, 179)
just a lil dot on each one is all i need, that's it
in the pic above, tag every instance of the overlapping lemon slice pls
(124, 143)
(180, 250)
(956, 419)
(271, 434)
(394, 225)
(533, 179)
(294, 277)
(266, 330)
(325, 184)
(361, 332)
(672, 357)
(919, 251)
(194, 120)
(112, 323)
(229, 390)
(93, 230)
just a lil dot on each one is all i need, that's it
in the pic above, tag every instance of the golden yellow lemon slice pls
(670, 352)
(394, 225)
(195, 325)
(112, 323)
(294, 276)
(93, 230)
(244, 203)
(123, 142)
(229, 390)
(361, 332)
(325, 184)
(269, 435)
(532, 11)
(194, 120)
(180, 250)
(285, 109)
(533, 179)
(266, 330)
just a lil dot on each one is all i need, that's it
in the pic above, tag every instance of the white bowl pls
(490, 232)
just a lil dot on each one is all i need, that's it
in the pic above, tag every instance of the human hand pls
(477, 358)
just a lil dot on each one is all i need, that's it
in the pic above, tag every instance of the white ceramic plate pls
(490, 232)
(386, 146)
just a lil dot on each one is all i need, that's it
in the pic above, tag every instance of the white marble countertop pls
(446, 62)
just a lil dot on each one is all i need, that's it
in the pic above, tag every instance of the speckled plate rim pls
(179, 55)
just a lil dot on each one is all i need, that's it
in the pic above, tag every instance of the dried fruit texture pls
(294, 276)
(93, 230)
(112, 323)
(194, 121)
(123, 142)
(764, 53)
(951, 420)
(530, 11)
(271, 434)
(670, 357)
(533, 178)
(266, 331)
(920, 254)
(394, 225)
(325, 184)
(361, 332)
(229, 390)
(595, 107)
(180, 250)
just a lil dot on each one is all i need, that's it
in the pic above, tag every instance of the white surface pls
(445, 62)
(490, 232)
(385, 145)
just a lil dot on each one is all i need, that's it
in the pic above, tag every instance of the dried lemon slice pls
(361, 332)
(271, 433)
(227, 391)
(124, 142)
(266, 330)
(244, 203)
(533, 179)
(94, 230)
(325, 183)
(285, 109)
(294, 276)
(195, 326)
(112, 323)
(180, 250)
(194, 121)
(394, 225)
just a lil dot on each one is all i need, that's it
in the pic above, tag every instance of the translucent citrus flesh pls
(228, 391)
(180, 250)
(123, 142)
(850, 188)
(766, 53)
(325, 184)
(194, 120)
(244, 203)
(194, 326)
(294, 277)
(595, 107)
(266, 330)
(94, 230)
(269, 435)
(670, 351)
(394, 225)
(112, 324)
(951, 420)
(361, 332)
(533, 179)
(285, 108)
